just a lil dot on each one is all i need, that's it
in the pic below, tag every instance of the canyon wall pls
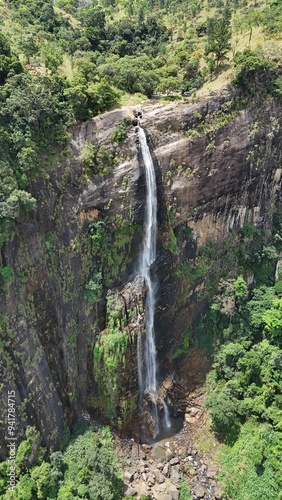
(68, 315)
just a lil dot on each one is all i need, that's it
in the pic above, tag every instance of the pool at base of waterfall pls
(159, 443)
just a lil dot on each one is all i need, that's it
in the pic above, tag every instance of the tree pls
(28, 45)
(192, 78)
(219, 36)
(52, 56)
(254, 71)
(272, 319)
(106, 96)
(17, 202)
(9, 63)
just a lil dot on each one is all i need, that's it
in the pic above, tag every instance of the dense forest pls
(65, 62)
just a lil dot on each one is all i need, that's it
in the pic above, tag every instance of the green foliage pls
(95, 475)
(219, 35)
(199, 267)
(7, 274)
(110, 244)
(240, 287)
(9, 62)
(90, 100)
(184, 346)
(96, 159)
(120, 134)
(29, 451)
(87, 468)
(133, 74)
(254, 71)
(245, 386)
(109, 356)
(192, 78)
(185, 493)
(248, 470)
(26, 133)
(94, 288)
(271, 18)
(88, 154)
(272, 319)
(171, 242)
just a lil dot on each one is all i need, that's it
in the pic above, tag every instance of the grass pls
(74, 23)
(66, 68)
(132, 100)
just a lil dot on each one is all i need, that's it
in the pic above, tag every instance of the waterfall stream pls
(147, 375)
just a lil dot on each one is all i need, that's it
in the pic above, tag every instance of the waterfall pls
(139, 353)
(147, 258)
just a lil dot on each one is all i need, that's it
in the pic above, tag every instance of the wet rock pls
(199, 491)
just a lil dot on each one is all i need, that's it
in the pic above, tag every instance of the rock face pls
(69, 317)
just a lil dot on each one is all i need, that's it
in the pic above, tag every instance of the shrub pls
(253, 71)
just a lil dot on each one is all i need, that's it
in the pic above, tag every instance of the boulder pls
(174, 476)
(199, 491)
(130, 492)
(160, 478)
(150, 480)
(174, 493)
(143, 490)
(211, 471)
(128, 476)
(168, 454)
(166, 470)
(174, 461)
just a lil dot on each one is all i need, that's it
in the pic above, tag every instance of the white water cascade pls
(147, 375)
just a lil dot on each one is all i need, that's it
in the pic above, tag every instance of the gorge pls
(76, 312)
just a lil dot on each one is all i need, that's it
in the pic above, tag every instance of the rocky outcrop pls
(218, 165)
(164, 469)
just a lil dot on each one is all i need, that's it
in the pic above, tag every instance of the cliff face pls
(69, 315)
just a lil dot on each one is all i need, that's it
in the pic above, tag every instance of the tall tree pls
(219, 36)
